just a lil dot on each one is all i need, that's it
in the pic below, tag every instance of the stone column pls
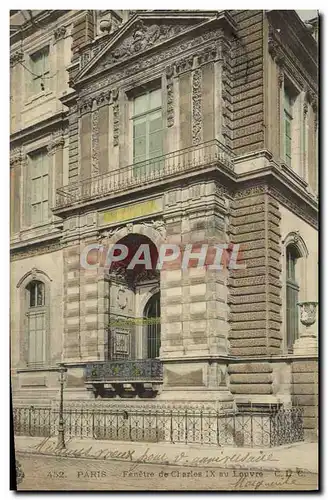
(55, 152)
(307, 343)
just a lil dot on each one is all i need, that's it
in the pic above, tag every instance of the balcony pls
(182, 162)
(125, 378)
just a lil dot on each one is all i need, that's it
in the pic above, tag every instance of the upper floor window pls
(39, 166)
(147, 126)
(39, 66)
(292, 290)
(36, 323)
(288, 126)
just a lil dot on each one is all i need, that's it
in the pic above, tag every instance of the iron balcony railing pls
(146, 172)
(125, 370)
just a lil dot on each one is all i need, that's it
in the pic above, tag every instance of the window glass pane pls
(45, 187)
(40, 294)
(155, 98)
(36, 213)
(141, 104)
(155, 144)
(140, 146)
(155, 121)
(45, 208)
(139, 127)
(287, 127)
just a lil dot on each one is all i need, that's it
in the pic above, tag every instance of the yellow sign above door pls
(123, 214)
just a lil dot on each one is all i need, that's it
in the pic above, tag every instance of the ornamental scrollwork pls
(59, 33)
(170, 96)
(197, 107)
(143, 37)
(95, 142)
(116, 117)
(16, 58)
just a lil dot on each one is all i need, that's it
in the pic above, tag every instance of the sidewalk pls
(295, 457)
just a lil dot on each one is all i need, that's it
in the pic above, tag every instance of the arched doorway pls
(152, 316)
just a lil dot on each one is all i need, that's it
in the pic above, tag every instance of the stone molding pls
(286, 59)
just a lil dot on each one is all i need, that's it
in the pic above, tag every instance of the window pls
(36, 323)
(153, 314)
(39, 187)
(147, 130)
(288, 125)
(39, 66)
(292, 289)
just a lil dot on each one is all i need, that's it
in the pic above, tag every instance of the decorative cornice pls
(59, 33)
(85, 105)
(56, 144)
(103, 98)
(185, 64)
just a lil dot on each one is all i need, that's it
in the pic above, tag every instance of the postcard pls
(164, 249)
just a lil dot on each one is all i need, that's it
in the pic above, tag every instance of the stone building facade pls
(173, 127)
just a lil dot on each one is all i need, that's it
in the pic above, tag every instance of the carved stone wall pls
(255, 301)
(247, 82)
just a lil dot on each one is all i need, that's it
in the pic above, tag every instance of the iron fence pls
(148, 171)
(247, 429)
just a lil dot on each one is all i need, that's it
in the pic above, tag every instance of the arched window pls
(292, 291)
(36, 322)
(152, 314)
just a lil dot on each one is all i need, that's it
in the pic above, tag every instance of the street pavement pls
(57, 473)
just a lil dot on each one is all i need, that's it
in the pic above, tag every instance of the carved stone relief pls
(170, 96)
(116, 117)
(197, 106)
(95, 142)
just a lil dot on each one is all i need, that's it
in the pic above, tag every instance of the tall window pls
(153, 314)
(36, 317)
(292, 289)
(39, 164)
(147, 129)
(288, 120)
(39, 66)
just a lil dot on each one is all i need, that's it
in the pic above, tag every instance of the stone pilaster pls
(254, 292)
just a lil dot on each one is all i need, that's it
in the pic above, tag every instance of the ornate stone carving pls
(103, 98)
(16, 156)
(56, 143)
(185, 64)
(209, 54)
(280, 78)
(17, 57)
(85, 105)
(308, 312)
(158, 225)
(170, 96)
(142, 38)
(95, 143)
(59, 33)
(305, 108)
(197, 107)
(145, 62)
(116, 117)
(122, 299)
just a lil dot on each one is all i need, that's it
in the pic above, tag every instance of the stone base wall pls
(305, 394)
